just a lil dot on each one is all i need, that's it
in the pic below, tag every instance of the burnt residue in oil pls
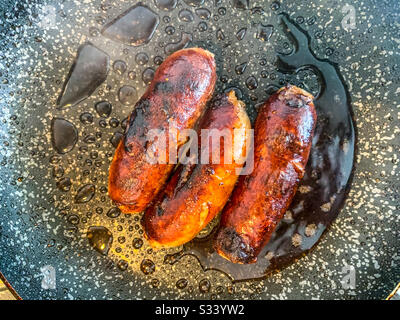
(322, 191)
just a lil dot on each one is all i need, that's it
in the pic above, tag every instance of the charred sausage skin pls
(283, 135)
(197, 193)
(180, 89)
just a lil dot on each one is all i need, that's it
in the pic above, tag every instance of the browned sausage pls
(181, 87)
(197, 193)
(282, 140)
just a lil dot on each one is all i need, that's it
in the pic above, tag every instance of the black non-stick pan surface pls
(70, 74)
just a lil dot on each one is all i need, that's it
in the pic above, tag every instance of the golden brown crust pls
(196, 193)
(181, 87)
(283, 135)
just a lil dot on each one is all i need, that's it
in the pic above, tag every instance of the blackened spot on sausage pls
(137, 125)
(297, 101)
(143, 104)
(219, 100)
(230, 242)
(294, 103)
(283, 142)
(188, 82)
(166, 107)
(164, 87)
(159, 211)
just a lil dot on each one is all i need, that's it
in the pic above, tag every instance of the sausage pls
(178, 94)
(283, 135)
(197, 193)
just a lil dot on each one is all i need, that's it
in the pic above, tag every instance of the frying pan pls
(60, 235)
